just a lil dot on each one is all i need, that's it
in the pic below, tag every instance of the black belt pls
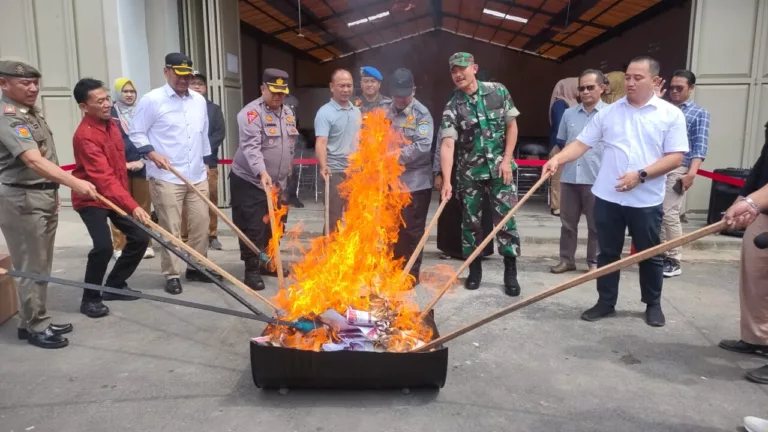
(36, 186)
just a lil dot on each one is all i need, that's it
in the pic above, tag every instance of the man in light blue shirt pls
(579, 176)
(337, 128)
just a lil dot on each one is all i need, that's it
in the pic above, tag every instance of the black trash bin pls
(722, 196)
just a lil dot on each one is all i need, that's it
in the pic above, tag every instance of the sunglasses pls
(677, 88)
(588, 88)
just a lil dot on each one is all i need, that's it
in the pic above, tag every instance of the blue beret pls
(368, 71)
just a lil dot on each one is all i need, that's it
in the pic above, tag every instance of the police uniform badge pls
(294, 131)
(269, 117)
(252, 115)
(289, 119)
(9, 109)
(357, 102)
(272, 131)
(19, 70)
(409, 119)
(22, 132)
(423, 129)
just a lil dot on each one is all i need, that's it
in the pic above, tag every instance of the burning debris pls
(348, 291)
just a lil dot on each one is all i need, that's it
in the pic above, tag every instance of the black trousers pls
(249, 213)
(644, 228)
(415, 219)
(95, 220)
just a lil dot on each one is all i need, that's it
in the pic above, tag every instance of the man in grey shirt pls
(579, 175)
(337, 127)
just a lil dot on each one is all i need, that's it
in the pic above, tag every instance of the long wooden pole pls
(199, 257)
(423, 241)
(327, 198)
(482, 246)
(586, 277)
(216, 210)
(273, 224)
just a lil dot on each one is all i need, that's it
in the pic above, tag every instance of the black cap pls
(402, 83)
(276, 80)
(200, 75)
(180, 63)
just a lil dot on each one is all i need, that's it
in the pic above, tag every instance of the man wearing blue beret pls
(370, 82)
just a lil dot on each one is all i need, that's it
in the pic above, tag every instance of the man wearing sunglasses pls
(681, 179)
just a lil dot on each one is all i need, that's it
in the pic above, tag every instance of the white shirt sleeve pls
(206, 125)
(142, 121)
(593, 131)
(676, 137)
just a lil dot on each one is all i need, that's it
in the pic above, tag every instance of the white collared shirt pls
(633, 139)
(177, 128)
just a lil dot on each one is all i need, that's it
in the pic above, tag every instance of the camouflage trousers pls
(503, 198)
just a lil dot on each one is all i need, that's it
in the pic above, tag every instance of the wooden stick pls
(216, 210)
(423, 241)
(327, 198)
(199, 257)
(273, 224)
(586, 277)
(482, 246)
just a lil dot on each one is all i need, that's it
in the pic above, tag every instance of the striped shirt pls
(697, 122)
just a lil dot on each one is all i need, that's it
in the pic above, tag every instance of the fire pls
(354, 266)
(273, 247)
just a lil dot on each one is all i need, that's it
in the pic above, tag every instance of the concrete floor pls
(156, 367)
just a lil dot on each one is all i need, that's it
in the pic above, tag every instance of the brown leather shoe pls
(562, 268)
(592, 267)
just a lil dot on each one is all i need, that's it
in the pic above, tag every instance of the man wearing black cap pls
(370, 82)
(216, 135)
(264, 156)
(29, 180)
(171, 127)
(412, 119)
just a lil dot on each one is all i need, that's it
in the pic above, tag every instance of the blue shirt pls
(584, 169)
(558, 108)
(697, 121)
(341, 126)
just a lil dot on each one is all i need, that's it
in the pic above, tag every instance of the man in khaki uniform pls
(267, 130)
(29, 198)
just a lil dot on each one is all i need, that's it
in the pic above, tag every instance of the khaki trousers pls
(671, 227)
(577, 200)
(753, 285)
(213, 196)
(28, 220)
(169, 199)
(554, 183)
(139, 190)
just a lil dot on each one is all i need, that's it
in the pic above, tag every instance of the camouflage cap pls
(461, 59)
(17, 68)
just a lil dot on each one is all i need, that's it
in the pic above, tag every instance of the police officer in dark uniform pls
(29, 199)
(370, 82)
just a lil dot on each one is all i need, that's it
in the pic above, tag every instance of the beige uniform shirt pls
(22, 129)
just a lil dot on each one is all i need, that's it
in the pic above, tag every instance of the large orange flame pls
(356, 261)
(273, 247)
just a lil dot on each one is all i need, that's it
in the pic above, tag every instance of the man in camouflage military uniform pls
(481, 119)
(29, 198)
(370, 82)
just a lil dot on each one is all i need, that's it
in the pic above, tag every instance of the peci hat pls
(179, 63)
(402, 83)
(276, 80)
(462, 59)
(17, 68)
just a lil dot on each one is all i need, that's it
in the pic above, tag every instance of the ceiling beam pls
(268, 39)
(312, 19)
(341, 14)
(514, 32)
(437, 13)
(629, 24)
(363, 33)
(615, 2)
(572, 11)
(513, 3)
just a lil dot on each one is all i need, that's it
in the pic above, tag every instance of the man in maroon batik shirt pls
(100, 159)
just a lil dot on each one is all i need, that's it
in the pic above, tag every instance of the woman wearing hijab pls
(564, 96)
(138, 186)
(615, 88)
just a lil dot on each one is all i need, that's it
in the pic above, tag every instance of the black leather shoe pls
(94, 309)
(57, 329)
(173, 286)
(742, 347)
(759, 375)
(654, 317)
(193, 275)
(511, 285)
(47, 339)
(124, 297)
(253, 280)
(475, 275)
(598, 312)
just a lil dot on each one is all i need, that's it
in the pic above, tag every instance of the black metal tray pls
(275, 367)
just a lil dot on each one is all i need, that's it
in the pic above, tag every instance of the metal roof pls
(323, 30)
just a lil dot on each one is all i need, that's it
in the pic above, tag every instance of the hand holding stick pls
(273, 224)
(216, 210)
(423, 241)
(586, 277)
(482, 245)
(199, 257)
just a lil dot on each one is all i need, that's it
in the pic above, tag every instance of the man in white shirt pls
(173, 122)
(643, 139)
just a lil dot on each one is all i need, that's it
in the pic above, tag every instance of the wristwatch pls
(643, 175)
